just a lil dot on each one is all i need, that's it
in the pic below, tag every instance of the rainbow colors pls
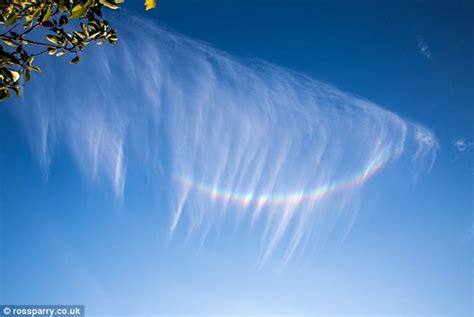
(213, 192)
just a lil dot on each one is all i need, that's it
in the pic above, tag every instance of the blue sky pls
(79, 228)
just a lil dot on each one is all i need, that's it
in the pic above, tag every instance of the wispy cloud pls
(463, 144)
(273, 150)
(424, 48)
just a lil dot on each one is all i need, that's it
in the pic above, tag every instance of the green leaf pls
(51, 50)
(85, 30)
(47, 15)
(63, 20)
(17, 90)
(79, 35)
(89, 3)
(4, 94)
(62, 7)
(15, 75)
(9, 43)
(75, 60)
(11, 19)
(37, 12)
(150, 4)
(109, 3)
(53, 39)
(78, 11)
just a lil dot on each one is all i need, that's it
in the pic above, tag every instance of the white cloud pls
(424, 48)
(273, 149)
(463, 144)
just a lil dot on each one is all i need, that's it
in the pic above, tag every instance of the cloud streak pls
(280, 152)
(424, 48)
(463, 145)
